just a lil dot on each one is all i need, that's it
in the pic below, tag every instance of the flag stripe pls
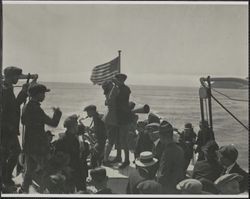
(105, 71)
(100, 78)
(98, 74)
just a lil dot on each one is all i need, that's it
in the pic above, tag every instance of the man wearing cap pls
(146, 166)
(99, 180)
(208, 170)
(69, 144)
(124, 117)
(35, 141)
(205, 134)
(146, 136)
(229, 183)
(10, 122)
(227, 156)
(100, 135)
(171, 166)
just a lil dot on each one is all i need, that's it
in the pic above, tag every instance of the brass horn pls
(144, 109)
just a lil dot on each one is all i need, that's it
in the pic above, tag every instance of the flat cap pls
(221, 181)
(90, 108)
(121, 76)
(229, 152)
(98, 174)
(191, 186)
(12, 71)
(70, 121)
(149, 187)
(34, 89)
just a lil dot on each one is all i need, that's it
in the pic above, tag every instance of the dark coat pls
(69, 144)
(171, 168)
(99, 131)
(34, 119)
(143, 143)
(122, 102)
(208, 170)
(244, 174)
(133, 180)
(11, 110)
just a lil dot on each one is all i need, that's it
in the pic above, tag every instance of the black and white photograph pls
(124, 99)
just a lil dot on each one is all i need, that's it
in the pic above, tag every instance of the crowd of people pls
(162, 154)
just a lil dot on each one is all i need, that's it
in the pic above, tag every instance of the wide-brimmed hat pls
(35, 89)
(146, 159)
(191, 186)
(222, 180)
(12, 71)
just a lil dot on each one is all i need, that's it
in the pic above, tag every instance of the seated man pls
(145, 170)
(99, 180)
(227, 156)
(69, 144)
(229, 183)
(208, 170)
(100, 136)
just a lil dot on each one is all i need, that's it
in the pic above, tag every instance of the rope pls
(230, 113)
(229, 97)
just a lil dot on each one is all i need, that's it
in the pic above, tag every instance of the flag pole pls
(119, 62)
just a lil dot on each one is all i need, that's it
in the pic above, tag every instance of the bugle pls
(144, 109)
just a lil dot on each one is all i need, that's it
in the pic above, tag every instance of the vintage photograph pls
(122, 98)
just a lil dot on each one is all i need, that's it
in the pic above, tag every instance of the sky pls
(169, 45)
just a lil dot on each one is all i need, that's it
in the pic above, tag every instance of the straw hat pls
(146, 159)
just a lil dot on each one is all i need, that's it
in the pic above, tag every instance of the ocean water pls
(178, 105)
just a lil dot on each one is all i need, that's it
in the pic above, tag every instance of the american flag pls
(104, 72)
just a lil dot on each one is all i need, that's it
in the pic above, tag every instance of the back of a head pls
(166, 130)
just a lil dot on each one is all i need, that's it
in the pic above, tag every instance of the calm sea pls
(178, 105)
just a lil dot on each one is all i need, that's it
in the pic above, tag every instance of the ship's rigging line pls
(205, 86)
(229, 97)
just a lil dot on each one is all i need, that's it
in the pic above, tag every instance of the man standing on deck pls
(124, 117)
(36, 146)
(205, 134)
(171, 166)
(10, 146)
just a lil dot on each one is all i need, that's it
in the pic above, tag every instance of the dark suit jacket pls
(244, 174)
(134, 179)
(11, 110)
(35, 119)
(208, 170)
(171, 168)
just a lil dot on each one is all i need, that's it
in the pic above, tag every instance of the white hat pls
(146, 159)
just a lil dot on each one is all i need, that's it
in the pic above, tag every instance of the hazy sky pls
(161, 44)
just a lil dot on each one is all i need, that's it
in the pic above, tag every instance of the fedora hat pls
(146, 159)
